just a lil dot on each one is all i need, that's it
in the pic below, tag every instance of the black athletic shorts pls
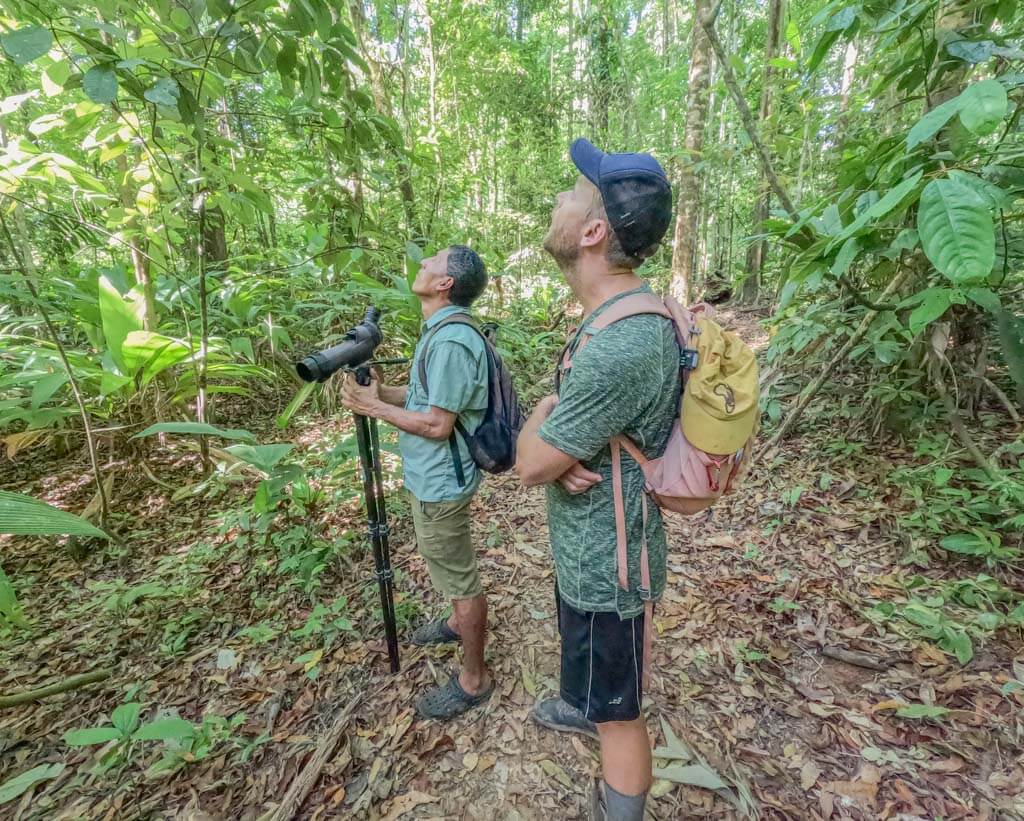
(602, 663)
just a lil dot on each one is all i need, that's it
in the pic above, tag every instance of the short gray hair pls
(469, 274)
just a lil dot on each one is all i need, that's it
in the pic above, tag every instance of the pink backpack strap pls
(620, 514)
(621, 551)
(630, 306)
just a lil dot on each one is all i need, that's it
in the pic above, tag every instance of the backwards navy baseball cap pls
(635, 191)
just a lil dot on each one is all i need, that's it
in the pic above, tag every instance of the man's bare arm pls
(537, 462)
(436, 423)
(394, 394)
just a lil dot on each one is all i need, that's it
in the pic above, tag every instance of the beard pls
(563, 250)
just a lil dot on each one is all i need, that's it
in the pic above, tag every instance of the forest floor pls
(768, 679)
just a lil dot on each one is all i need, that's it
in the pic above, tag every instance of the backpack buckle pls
(688, 358)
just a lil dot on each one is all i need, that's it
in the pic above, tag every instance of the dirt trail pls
(765, 600)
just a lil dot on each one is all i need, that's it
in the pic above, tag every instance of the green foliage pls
(182, 741)
(195, 428)
(980, 543)
(24, 516)
(956, 230)
(14, 787)
(919, 711)
(26, 44)
(10, 610)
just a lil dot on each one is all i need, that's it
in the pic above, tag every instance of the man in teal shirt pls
(440, 474)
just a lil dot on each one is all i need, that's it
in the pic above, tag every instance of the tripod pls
(377, 517)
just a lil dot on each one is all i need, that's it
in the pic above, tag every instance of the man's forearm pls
(533, 423)
(427, 425)
(394, 394)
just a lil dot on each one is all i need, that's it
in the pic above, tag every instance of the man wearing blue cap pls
(623, 380)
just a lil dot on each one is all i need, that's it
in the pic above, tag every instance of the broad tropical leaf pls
(935, 303)
(88, 736)
(119, 317)
(164, 729)
(152, 352)
(196, 429)
(983, 106)
(10, 610)
(956, 230)
(932, 122)
(26, 44)
(263, 457)
(24, 516)
(1011, 342)
(164, 91)
(100, 84)
(14, 787)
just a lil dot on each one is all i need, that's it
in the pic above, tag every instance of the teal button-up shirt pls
(457, 382)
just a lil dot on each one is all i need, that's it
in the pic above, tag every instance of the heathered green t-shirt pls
(625, 380)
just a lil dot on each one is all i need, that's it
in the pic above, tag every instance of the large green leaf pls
(932, 122)
(934, 304)
(263, 457)
(922, 711)
(881, 207)
(971, 52)
(24, 516)
(152, 352)
(296, 403)
(126, 717)
(88, 736)
(26, 44)
(46, 387)
(195, 429)
(14, 787)
(165, 729)
(164, 91)
(100, 84)
(119, 317)
(983, 106)
(956, 230)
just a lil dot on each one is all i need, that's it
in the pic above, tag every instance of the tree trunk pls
(688, 208)
(384, 108)
(758, 250)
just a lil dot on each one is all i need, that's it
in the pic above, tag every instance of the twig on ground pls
(306, 779)
(1002, 397)
(856, 658)
(40, 693)
(960, 429)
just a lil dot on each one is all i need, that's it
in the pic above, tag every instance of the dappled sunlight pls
(198, 604)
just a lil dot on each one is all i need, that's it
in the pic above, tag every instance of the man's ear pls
(444, 284)
(594, 233)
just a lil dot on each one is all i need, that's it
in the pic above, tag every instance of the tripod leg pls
(369, 458)
(386, 574)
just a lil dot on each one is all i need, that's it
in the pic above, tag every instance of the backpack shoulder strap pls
(454, 319)
(628, 306)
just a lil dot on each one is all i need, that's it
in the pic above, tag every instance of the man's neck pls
(595, 285)
(432, 305)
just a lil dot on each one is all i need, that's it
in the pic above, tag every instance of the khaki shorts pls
(443, 538)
